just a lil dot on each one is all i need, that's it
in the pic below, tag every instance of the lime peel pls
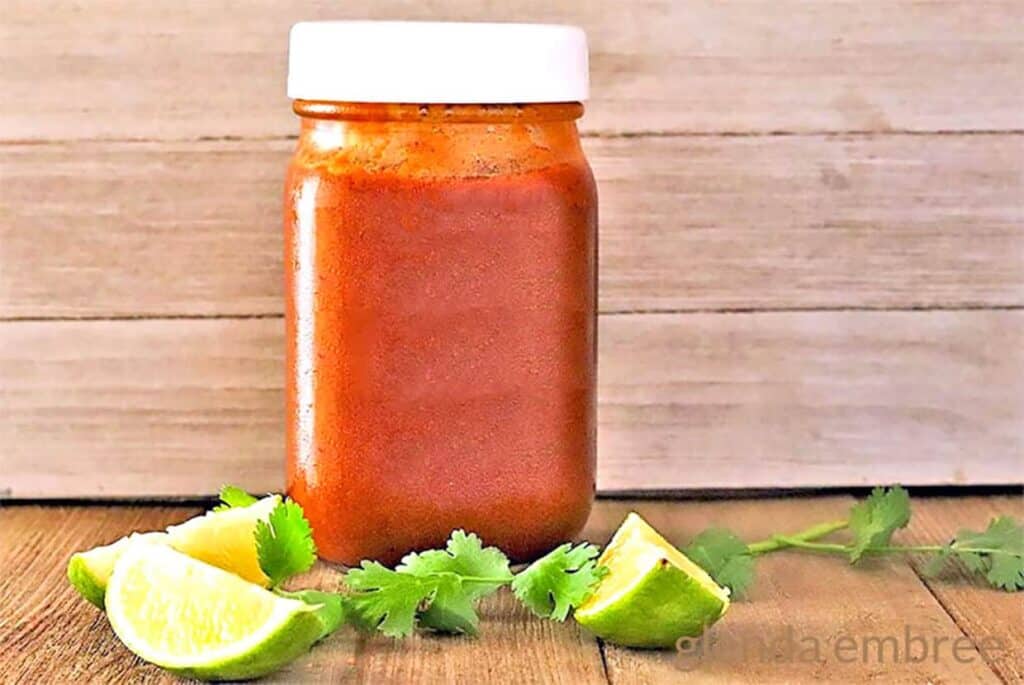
(200, 621)
(90, 571)
(222, 538)
(653, 594)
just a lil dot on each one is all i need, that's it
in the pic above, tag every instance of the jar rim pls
(525, 113)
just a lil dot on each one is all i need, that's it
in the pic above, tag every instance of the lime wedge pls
(225, 538)
(90, 571)
(653, 595)
(222, 538)
(199, 621)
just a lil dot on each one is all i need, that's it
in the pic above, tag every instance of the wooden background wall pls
(812, 239)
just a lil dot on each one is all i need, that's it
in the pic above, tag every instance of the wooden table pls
(49, 635)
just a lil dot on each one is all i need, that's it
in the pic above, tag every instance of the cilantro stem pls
(833, 548)
(504, 580)
(777, 542)
(492, 580)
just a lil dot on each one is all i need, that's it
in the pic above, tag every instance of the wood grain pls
(787, 399)
(658, 65)
(780, 399)
(513, 646)
(48, 634)
(816, 602)
(692, 223)
(137, 408)
(994, 621)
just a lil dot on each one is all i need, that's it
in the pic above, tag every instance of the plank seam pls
(606, 135)
(604, 660)
(970, 307)
(964, 307)
(797, 134)
(140, 317)
(963, 631)
(739, 493)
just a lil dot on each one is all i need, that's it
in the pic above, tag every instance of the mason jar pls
(441, 274)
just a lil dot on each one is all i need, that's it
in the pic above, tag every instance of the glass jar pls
(440, 264)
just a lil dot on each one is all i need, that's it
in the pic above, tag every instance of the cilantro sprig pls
(439, 590)
(436, 590)
(996, 554)
(284, 543)
(559, 581)
(284, 540)
(232, 496)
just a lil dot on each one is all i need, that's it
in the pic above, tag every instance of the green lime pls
(222, 538)
(89, 571)
(226, 539)
(200, 621)
(653, 595)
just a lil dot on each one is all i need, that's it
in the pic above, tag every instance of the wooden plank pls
(48, 634)
(780, 399)
(512, 645)
(993, 620)
(810, 222)
(51, 635)
(811, 398)
(197, 403)
(692, 223)
(121, 69)
(808, 617)
(97, 230)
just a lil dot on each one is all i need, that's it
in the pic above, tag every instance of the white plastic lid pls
(437, 62)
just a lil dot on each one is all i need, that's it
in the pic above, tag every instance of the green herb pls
(466, 571)
(559, 581)
(997, 554)
(231, 497)
(386, 600)
(438, 589)
(874, 520)
(725, 557)
(464, 556)
(284, 542)
(331, 607)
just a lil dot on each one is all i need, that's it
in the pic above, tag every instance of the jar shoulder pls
(421, 151)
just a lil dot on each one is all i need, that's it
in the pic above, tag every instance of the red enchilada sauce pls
(441, 298)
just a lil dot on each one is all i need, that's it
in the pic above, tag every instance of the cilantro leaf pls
(464, 555)
(937, 562)
(875, 519)
(725, 557)
(232, 496)
(464, 572)
(451, 609)
(559, 581)
(284, 542)
(386, 600)
(997, 552)
(330, 607)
